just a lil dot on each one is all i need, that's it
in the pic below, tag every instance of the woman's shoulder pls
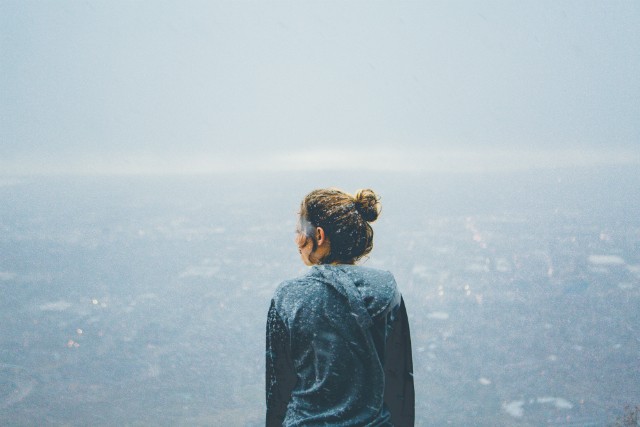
(298, 287)
(304, 294)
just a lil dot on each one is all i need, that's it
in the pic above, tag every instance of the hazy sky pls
(151, 86)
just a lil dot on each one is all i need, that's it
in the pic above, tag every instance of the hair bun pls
(368, 204)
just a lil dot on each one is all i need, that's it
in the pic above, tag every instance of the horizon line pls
(339, 160)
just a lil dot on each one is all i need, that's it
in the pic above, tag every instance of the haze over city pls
(154, 154)
(195, 86)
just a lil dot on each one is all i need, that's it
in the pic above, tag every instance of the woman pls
(338, 345)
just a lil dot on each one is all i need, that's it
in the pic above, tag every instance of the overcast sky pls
(184, 86)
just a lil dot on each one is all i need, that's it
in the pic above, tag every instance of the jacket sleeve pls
(280, 376)
(399, 392)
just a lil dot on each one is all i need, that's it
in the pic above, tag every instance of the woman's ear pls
(320, 237)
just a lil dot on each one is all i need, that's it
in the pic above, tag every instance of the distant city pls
(143, 300)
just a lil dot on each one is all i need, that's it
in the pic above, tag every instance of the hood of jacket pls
(370, 292)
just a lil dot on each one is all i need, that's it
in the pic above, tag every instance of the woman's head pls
(334, 226)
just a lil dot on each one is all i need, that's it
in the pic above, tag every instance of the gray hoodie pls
(339, 350)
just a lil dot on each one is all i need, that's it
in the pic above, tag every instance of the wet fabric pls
(338, 351)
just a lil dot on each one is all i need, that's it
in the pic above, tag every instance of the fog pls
(153, 156)
(181, 87)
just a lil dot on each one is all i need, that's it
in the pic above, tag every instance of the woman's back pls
(331, 327)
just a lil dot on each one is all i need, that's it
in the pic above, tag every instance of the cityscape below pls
(143, 300)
